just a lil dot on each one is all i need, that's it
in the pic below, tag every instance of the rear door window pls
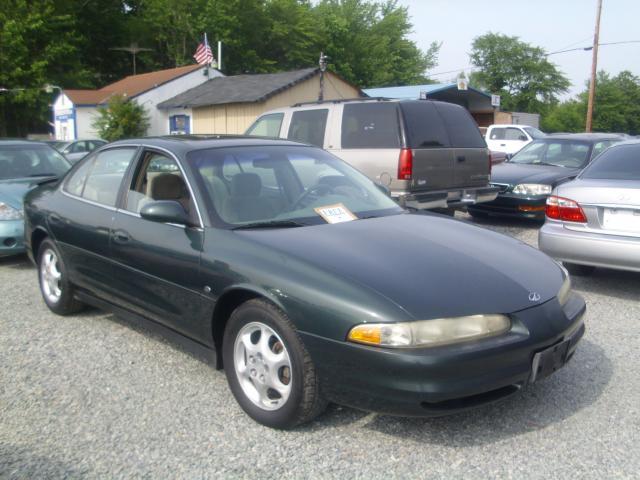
(107, 171)
(267, 125)
(424, 127)
(462, 128)
(514, 134)
(370, 125)
(308, 126)
(497, 134)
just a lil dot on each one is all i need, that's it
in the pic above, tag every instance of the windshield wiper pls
(271, 224)
(43, 175)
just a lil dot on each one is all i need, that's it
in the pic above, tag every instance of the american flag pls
(203, 53)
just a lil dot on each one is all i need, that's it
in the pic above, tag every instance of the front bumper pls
(589, 248)
(443, 380)
(446, 198)
(510, 205)
(11, 237)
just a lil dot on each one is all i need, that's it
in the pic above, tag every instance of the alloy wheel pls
(50, 276)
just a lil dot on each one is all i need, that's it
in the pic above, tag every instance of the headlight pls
(532, 189)
(427, 333)
(7, 212)
(565, 289)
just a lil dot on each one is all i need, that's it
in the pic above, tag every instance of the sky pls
(551, 24)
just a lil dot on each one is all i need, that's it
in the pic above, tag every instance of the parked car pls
(310, 283)
(511, 138)
(430, 154)
(23, 165)
(77, 149)
(497, 157)
(594, 221)
(526, 180)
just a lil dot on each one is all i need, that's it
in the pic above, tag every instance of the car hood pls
(514, 173)
(12, 191)
(429, 265)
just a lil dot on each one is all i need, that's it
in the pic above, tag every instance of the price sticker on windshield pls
(336, 213)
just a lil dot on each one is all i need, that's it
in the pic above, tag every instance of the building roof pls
(412, 92)
(238, 89)
(130, 86)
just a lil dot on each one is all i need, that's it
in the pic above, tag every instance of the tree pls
(367, 43)
(38, 46)
(121, 119)
(518, 71)
(616, 107)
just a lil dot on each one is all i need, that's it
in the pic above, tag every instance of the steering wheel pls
(319, 189)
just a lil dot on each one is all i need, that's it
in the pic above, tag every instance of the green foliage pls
(517, 71)
(616, 107)
(70, 43)
(121, 119)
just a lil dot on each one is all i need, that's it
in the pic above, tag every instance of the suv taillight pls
(560, 208)
(405, 164)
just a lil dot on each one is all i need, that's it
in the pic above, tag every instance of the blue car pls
(23, 166)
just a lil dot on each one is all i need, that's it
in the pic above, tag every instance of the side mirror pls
(383, 188)
(165, 211)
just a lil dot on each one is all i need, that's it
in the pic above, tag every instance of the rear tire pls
(269, 370)
(579, 270)
(57, 291)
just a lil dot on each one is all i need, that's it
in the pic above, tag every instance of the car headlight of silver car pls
(7, 212)
(532, 189)
(428, 333)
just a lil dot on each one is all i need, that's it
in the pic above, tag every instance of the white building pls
(74, 111)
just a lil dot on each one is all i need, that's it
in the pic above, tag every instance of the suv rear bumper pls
(456, 197)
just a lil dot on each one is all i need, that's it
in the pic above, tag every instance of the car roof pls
(581, 136)
(20, 141)
(187, 143)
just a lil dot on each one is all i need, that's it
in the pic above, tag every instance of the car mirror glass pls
(165, 211)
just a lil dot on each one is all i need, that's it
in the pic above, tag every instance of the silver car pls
(594, 221)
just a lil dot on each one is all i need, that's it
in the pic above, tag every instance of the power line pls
(586, 49)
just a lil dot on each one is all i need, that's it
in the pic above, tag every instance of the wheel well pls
(221, 314)
(36, 239)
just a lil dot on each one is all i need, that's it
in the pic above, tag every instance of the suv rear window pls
(462, 128)
(424, 127)
(370, 125)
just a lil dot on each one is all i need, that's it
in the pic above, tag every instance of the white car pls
(510, 138)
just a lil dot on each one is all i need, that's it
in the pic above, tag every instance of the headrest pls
(167, 186)
(246, 185)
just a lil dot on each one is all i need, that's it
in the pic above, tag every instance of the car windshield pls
(283, 186)
(21, 161)
(554, 152)
(618, 163)
(534, 132)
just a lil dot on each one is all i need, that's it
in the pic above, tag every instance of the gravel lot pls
(92, 396)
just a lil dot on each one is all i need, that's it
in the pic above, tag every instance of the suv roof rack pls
(342, 100)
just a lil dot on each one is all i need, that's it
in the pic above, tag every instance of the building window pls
(179, 125)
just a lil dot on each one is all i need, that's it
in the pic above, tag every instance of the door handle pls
(120, 236)
(503, 144)
(461, 158)
(53, 218)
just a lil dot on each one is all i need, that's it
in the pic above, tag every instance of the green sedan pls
(302, 277)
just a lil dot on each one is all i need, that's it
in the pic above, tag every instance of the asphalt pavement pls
(93, 396)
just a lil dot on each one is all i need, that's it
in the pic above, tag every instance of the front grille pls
(502, 186)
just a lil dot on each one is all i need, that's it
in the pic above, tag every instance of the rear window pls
(617, 163)
(424, 127)
(370, 125)
(462, 128)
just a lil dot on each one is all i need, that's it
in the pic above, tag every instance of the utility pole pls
(594, 68)
(323, 67)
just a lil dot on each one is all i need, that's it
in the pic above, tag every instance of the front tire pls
(57, 291)
(269, 371)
